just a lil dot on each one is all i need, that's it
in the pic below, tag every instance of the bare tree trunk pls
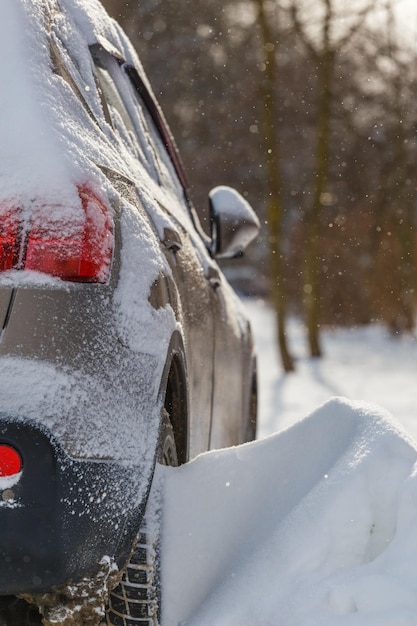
(275, 208)
(408, 282)
(323, 53)
(312, 267)
(405, 195)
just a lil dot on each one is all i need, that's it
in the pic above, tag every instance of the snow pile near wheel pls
(316, 525)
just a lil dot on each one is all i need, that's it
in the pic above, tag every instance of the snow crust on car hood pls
(313, 526)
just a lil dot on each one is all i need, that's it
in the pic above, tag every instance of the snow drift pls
(315, 525)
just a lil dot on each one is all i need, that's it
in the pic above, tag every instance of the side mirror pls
(234, 223)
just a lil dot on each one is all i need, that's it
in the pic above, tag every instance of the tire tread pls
(134, 602)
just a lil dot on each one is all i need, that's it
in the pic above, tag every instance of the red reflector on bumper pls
(10, 461)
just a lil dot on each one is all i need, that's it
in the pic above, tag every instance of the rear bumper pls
(64, 515)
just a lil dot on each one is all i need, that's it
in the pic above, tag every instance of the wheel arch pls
(250, 400)
(174, 394)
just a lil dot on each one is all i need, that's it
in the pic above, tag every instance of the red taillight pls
(10, 461)
(9, 226)
(75, 247)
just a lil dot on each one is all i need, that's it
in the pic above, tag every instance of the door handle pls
(213, 276)
(171, 239)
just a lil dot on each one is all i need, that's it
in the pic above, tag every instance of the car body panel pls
(5, 301)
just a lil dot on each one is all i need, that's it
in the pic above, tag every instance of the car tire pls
(136, 599)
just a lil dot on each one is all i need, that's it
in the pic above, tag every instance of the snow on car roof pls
(43, 148)
(29, 154)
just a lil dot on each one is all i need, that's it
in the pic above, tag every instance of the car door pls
(217, 329)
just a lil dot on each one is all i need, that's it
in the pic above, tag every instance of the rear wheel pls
(136, 600)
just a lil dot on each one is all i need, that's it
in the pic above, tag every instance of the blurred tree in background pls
(275, 206)
(343, 86)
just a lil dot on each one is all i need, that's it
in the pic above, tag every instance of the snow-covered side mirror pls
(233, 223)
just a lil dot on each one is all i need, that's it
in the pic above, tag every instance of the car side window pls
(136, 117)
(172, 174)
(146, 127)
(118, 113)
(166, 167)
(123, 99)
(62, 65)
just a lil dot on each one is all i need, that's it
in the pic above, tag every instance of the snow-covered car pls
(121, 344)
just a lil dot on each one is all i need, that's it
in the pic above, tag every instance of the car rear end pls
(71, 489)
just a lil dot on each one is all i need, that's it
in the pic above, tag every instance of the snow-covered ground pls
(366, 364)
(315, 525)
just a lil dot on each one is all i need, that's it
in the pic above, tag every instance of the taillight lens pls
(75, 245)
(9, 225)
(10, 461)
